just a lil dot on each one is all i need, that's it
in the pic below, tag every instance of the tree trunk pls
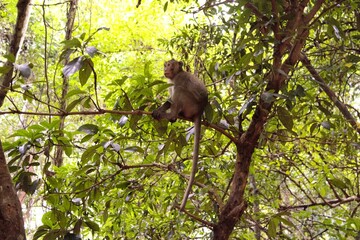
(289, 42)
(24, 7)
(11, 220)
(65, 85)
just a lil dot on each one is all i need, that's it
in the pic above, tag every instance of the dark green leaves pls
(72, 43)
(85, 70)
(285, 118)
(276, 220)
(85, 65)
(89, 128)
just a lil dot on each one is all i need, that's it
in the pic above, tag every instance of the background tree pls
(279, 156)
(11, 220)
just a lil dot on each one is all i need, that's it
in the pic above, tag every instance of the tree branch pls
(318, 79)
(331, 203)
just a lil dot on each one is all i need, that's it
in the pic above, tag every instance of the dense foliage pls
(124, 173)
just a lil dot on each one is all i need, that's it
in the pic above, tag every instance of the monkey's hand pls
(161, 111)
(172, 120)
(156, 114)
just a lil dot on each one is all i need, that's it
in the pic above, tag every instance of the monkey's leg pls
(195, 161)
(175, 109)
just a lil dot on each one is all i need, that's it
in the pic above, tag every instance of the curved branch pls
(340, 105)
(332, 203)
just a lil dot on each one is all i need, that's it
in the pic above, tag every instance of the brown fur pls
(188, 98)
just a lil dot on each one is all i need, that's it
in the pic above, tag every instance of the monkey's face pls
(171, 68)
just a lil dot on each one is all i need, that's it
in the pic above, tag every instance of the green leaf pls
(286, 222)
(42, 230)
(37, 128)
(68, 151)
(300, 91)
(88, 154)
(338, 183)
(134, 121)
(353, 58)
(86, 138)
(73, 104)
(21, 133)
(134, 149)
(75, 42)
(10, 57)
(89, 128)
(53, 234)
(53, 182)
(49, 219)
(244, 60)
(77, 92)
(272, 227)
(5, 69)
(285, 118)
(85, 71)
(92, 225)
(180, 143)
(161, 127)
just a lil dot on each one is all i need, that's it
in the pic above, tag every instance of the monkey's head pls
(172, 68)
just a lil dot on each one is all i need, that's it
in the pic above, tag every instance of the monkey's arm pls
(161, 111)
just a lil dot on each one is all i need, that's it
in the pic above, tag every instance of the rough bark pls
(24, 9)
(65, 85)
(11, 220)
(292, 38)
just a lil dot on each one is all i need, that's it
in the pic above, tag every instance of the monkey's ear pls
(181, 64)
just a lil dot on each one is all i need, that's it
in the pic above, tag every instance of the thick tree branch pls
(58, 158)
(103, 111)
(294, 38)
(313, 11)
(11, 220)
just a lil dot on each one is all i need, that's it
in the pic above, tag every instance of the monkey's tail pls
(195, 161)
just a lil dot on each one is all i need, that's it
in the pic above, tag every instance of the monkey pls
(188, 99)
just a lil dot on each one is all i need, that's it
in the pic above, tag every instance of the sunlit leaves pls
(72, 43)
